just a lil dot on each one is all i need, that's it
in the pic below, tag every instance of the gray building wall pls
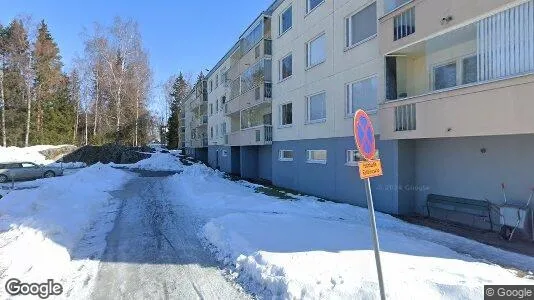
(458, 167)
(235, 153)
(216, 158)
(249, 162)
(335, 180)
(265, 163)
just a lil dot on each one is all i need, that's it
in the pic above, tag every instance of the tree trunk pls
(28, 114)
(86, 128)
(3, 108)
(136, 117)
(118, 125)
(77, 122)
(96, 107)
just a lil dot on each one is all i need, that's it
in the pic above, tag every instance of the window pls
(29, 165)
(216, 105)
(469, 69)
(361, 95)
(211, 109)
(316, 51)
(353, 157)
(445, 76)
(361, 26)
(316, 108)
(390, 5)
(286, 20)
(286, 67)
(286, 114)
(312, 4)
(225, 153)
(217, 130)
(211, 86)
(211, 132)
(257, 52)
(216, 80)
(223, 128)
(317, 156)
(285, 155)
(404, 24)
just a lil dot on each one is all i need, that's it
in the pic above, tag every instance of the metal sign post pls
(366, 144)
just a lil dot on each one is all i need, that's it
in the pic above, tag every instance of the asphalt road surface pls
(153, 251)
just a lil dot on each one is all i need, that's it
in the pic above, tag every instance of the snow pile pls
(159, 162)
(41, 228)
(31, 154)
(311, 249)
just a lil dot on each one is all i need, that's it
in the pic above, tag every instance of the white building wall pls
(342, 66)
(188, 119)
(218, 117)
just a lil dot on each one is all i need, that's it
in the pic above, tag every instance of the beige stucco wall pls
(429, 15)
(342, 66)
(497, 108)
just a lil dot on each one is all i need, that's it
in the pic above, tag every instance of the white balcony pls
(254, 136)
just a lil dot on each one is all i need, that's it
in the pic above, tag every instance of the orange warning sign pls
(370, 169)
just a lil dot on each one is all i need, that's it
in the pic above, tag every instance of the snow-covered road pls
(153, 251)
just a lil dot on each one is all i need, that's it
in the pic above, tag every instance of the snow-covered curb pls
(50, 222)
(310, 249)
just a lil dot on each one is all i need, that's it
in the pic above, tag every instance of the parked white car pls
(26, 171)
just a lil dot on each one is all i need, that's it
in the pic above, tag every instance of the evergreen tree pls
(50, 88)
(180, 89)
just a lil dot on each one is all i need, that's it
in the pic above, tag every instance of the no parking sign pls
(364, 135)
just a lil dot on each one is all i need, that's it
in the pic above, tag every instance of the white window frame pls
(217, 130)
(308, 109)
(308, 10)
(281, 156)
(211, 109)
(348, 95)
(308, 51)
(280, 64)
(282, 116)
(348, 44)
(459, 72)
(350, 158)
(280, 32)
(316, 161)
(217, 81)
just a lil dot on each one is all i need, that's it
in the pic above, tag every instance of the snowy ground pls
(104, 232)
(42, 229)
(311, 249)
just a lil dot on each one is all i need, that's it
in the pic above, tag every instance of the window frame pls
(349, 158)
(280, 124)
(348, 95)
(308, 10)
(280, 19)
(458, 61)
(348, 21)
(282, 158)
(280, 67)
(308, 107)
(308, 51)
(309, 160)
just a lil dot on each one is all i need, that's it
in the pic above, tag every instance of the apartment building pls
(196, 121)
(328, 65)
(457, 95)
(182, 129)
(239, 96)
(448, 83)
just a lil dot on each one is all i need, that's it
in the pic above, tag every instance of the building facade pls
(196, 121)
(457, 91)
(448, 84)
(240, 94)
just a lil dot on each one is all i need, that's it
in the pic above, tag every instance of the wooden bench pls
(476, 208)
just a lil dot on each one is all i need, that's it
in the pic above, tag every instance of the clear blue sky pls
(187, 36)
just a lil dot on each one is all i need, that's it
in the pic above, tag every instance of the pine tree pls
(179, 92)
(50, 83)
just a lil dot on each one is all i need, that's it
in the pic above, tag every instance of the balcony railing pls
(476, 53)
(256, 96)
(254, 136)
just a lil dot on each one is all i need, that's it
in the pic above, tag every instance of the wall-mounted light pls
(447, 20)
